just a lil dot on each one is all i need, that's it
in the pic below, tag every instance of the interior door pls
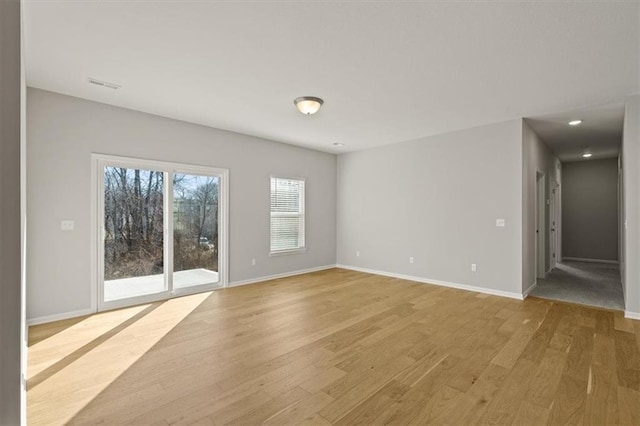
(552, 227)
(540, 226)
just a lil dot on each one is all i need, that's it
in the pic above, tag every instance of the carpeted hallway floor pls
(592, 284)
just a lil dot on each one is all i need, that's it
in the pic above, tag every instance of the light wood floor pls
(338, 347)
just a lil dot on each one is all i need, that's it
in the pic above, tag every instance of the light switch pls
(500, 223)
(67, 225)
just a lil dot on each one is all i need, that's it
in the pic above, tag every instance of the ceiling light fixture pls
(308, 104)
(575, 122)
(587, 154)
(338, 144)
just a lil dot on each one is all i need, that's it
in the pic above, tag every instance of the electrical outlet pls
(358, 253)
(474, 268)
(411, 259)
(500, 223)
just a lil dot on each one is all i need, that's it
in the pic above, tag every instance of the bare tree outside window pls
(134, 222)
(195, 222)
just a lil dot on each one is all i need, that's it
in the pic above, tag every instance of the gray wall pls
(590, 209)
(11, 316)
(536, 158)
(436, 199)
(64, 131)
(631, 218)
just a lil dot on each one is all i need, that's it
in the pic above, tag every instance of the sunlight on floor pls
(74, 361)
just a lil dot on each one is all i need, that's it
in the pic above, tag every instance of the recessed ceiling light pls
(587, 154)
(308, 104)
(575, 122)
(338, 144)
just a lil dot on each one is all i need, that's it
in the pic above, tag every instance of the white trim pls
(632, 315)
(60, 317)
(288, 251)
(302, 214)
(82, 312)
(528, 291)
(94, 263)
(283, 275)
(167, 244)
(98, 162)
(466, 287)
(582, 259)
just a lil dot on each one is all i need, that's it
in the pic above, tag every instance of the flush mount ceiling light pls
(308, 104)
(338, 144)
(575, 122)
(587, 154)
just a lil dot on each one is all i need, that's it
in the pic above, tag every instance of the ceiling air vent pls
(104, 83)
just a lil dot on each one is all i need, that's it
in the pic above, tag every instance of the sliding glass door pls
(195, 230)
(133, 232)
(161, 230)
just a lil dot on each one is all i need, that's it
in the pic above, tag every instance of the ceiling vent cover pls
(104, 83)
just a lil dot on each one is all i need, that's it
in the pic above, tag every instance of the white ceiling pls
(600, 132)
(388, 71)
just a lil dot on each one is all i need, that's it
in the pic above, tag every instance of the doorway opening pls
(160, 230)
(540, 226)
(582, 260)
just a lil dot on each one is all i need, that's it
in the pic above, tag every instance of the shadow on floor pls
(75, 355)
(585, 283)
(37, 334)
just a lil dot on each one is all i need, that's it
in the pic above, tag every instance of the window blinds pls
(287, 214)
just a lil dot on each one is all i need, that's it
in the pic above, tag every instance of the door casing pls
(98, 162)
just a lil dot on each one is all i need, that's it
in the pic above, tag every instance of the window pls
(287, 215)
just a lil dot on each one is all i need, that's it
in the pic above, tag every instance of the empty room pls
(331, 212)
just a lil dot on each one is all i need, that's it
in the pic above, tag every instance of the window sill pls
(285, 252)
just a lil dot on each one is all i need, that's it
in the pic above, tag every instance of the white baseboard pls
(283, 275)
(632, 315)
(88, 311)
(62, 316)
(485, 290)
(526, 293)
(582, 259)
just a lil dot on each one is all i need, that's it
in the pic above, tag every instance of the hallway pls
(585, 283)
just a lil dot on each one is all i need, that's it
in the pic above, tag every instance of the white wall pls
(631, 217)
(436, 199)
(536, 158)
(64, 131)
(590, 209)
(11, 316)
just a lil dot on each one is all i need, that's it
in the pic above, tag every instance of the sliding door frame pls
(98, 163)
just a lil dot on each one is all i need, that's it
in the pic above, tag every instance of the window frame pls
(98, 162)
(302, 214)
